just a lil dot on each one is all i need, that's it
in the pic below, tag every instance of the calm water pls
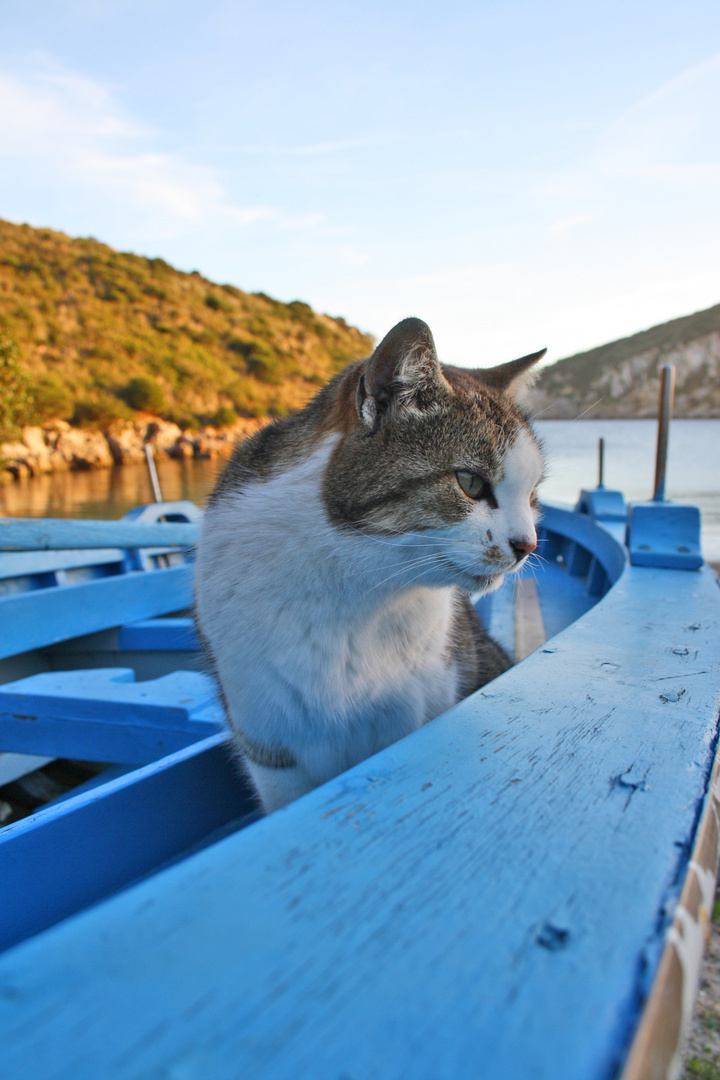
(693, 471)
(570, 446)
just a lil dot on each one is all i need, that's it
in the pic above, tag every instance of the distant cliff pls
(622, 379)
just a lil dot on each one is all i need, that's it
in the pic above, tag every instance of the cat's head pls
(439, 459)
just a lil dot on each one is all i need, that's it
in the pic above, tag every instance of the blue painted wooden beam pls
(28, 564)
(603, 504)
(42, 617)
(580, 529)
(663, 533)
(563, 596)
(102, 714)
(72, 854)
(588, 551)
(171, 635)
(486, 898)
(53, 534)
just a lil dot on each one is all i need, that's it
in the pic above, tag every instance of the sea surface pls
(693, 464)
(693, 474)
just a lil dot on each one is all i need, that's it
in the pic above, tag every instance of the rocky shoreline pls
(58, 447)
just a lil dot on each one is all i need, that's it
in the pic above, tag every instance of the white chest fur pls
(316, 649)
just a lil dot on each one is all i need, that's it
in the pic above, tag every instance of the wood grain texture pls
(487, 898)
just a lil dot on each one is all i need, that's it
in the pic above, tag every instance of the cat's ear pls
(402, 374)
(514, 377)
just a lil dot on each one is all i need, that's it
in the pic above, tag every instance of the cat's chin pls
(474, 583)
(485, 583)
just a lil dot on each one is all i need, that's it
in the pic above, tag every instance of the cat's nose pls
(522, 547)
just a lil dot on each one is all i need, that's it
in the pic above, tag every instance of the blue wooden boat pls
(519, 890)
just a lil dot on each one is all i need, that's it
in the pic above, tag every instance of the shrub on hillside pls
(248, 396)
(261, 360)
(238, 345)
(99, 412)
(232, 290)
(224, 417)
(17, 403)
(278, 409)
(301, 310)
(53, 399)
(264, 363)
(217, 304)
(185, 420)
(145, 394)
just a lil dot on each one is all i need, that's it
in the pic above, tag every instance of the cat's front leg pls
(278, 786)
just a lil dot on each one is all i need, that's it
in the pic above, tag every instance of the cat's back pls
(287, 442)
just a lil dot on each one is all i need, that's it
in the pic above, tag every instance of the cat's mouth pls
(473, 582)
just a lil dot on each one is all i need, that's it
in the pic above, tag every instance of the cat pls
(338, 550)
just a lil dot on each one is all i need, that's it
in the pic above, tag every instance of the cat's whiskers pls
(415, 578)
(422, 560)
(575, 420)
(533, 565)
(546, 409)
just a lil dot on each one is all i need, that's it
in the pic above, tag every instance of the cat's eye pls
(473, 485)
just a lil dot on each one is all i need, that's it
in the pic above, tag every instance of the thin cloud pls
(54, 108)
(672, 132)
(75, 128)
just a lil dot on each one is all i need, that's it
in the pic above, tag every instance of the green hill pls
(621, 379)
(104, 334)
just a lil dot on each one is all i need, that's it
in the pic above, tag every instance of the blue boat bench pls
(492, 897)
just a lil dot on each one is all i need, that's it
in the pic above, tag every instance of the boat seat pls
(96, 840)
(103, 714)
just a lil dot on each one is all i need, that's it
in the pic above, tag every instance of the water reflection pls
(107, 493)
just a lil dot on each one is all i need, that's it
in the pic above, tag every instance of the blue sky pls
(518, 174)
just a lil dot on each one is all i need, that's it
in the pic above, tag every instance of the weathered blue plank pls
(25, 564)
(52, 534)
(73, 853)
(102, 714)
(172, 635)
(486, 898)
(32, 620)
